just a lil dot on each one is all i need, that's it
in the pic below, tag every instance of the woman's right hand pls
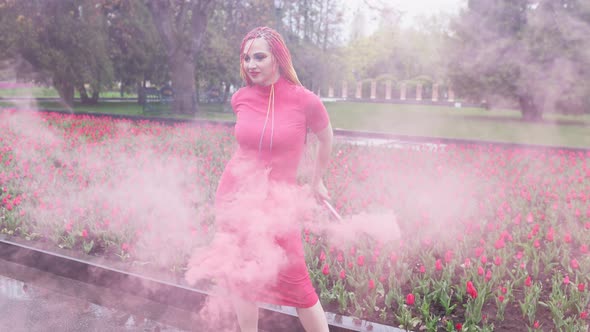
(320, 191)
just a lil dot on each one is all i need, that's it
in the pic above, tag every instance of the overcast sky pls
(428, 7)
(412, 8)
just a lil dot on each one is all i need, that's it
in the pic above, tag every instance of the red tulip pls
(574, 264)
(393, 258)
(516, 219)
(448, 256)
(536, 229)
(529, 218)
(498, 261)
(480, 270)
(471, 290)
(360, 260)
(410, 299)
(438, 265)
(125, 246)
(479, 251)
(467, 263)
(549, 235)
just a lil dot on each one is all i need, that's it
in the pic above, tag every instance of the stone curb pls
(96, 272)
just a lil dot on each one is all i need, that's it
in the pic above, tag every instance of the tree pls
(65, 41)
(136, 51)
(399, 52)
(312, 30)
(218, 59)
(181, 25)
(529, 52)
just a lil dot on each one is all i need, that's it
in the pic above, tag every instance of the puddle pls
(29, 306)
(390, 143)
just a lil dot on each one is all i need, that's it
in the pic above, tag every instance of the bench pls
(158, 100)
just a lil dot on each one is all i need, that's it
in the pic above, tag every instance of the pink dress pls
(295, 110)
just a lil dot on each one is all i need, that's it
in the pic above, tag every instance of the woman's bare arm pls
(325, 138)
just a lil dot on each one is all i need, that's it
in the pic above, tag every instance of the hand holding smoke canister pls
(333, 211)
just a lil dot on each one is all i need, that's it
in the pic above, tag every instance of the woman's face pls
(259, 62)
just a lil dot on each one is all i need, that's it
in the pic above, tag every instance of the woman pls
(273, 113)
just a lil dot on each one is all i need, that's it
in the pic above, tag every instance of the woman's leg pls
(247, 313)
(313, 318)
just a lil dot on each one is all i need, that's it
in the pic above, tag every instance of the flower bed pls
(493, 238)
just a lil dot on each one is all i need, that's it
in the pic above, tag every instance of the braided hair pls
(278, 49)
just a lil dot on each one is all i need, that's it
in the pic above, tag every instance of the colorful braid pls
(279, 50)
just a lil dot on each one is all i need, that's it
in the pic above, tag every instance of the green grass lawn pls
(37, 92)
(220, 112)
(412, 120)
(50, 92)
(463, 123)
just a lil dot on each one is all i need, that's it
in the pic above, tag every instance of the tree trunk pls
(94, 98)
(183, 80)
(225, 93)
(326, 27)
(85, 99)
(83, 94)
(530, 110)
(65, 89)
(140, 92)
(181, 35)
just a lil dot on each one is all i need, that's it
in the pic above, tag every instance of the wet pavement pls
(31, 300)
(35, 297)
(391, 143)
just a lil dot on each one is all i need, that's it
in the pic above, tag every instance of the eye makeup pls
(257, 56)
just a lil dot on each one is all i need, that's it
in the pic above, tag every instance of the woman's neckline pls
(266, 88)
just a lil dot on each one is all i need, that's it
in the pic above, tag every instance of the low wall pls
(97, 271)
